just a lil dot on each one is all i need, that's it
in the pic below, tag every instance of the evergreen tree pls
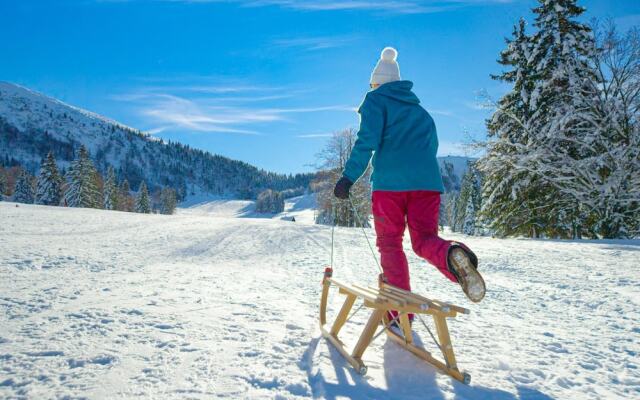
(546, 70)
(142, 201)
(469, 201)
(514, 196)
(560, 53)
(592, 153)
(168, 201)
(82, 189)
(469, 223)
(110, 191)
(125, 200)
(24, 192)
(270, 201)
(49, 186)
(4, 185)
(562, 50)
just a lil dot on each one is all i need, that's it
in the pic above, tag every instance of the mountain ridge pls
(32, 123)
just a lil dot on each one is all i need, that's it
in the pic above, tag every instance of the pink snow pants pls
(392, 212)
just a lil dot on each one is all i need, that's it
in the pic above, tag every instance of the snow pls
(106, 304)
(301, 208)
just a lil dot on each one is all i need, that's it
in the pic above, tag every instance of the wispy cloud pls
(315, 135)
(391, 6)
(192, 109)
(313, 43)
(444, 113)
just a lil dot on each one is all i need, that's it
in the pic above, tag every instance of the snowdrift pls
(108, 304)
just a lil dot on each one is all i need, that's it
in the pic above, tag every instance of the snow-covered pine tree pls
(449, 178)
(468, 202)
(168, 201)
(562, 49)
(453, 221)
(599, 170)
(521, 197)
(512, 195)
(143, 204)
(451, 184)
(82, 189)
(469, 223)
(4, 185)
(110, 190)
(49, 186)
(24, 191)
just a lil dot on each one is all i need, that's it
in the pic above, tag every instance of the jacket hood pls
(398, 90)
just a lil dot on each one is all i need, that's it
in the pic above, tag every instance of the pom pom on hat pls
(387, 69)
(389, 54)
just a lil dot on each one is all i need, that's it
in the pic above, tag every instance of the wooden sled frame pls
(380, 301)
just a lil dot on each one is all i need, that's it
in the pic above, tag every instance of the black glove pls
(341, 190)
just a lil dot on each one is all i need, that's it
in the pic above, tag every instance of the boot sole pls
(470, 279)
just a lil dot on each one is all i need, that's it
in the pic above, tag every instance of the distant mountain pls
(32, 124)
(452, 169)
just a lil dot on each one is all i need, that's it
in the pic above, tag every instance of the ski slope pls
(102, 304)
(300, 208)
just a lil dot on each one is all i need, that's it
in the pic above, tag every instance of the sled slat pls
(389, 297)
(436, 304)
(348, 289)
(411, 300)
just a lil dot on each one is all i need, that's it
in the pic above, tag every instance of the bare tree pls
(332, 160)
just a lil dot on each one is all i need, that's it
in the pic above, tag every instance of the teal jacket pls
(402, 137)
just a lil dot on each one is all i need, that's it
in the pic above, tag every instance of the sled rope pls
(446, 360)
(354, 313)
(333, 228)
(386, 327)
(364, 231)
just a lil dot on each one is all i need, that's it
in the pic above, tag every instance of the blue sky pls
(264, 81)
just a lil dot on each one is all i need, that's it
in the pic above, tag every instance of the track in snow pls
(107, 304)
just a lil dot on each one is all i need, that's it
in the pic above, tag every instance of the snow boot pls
(464, 265)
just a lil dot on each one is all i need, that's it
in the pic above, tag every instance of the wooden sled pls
(380, 301)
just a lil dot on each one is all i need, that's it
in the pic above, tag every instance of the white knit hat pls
(387, 69)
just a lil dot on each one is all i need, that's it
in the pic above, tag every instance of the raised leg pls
(422, 217)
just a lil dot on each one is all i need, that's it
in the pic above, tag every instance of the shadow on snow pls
(406, 378)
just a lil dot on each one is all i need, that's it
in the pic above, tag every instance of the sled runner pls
(380, 301)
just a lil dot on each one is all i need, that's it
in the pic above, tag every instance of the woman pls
(406, 181)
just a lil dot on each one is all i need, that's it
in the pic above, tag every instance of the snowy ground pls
(115, 305)
(301, 208)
